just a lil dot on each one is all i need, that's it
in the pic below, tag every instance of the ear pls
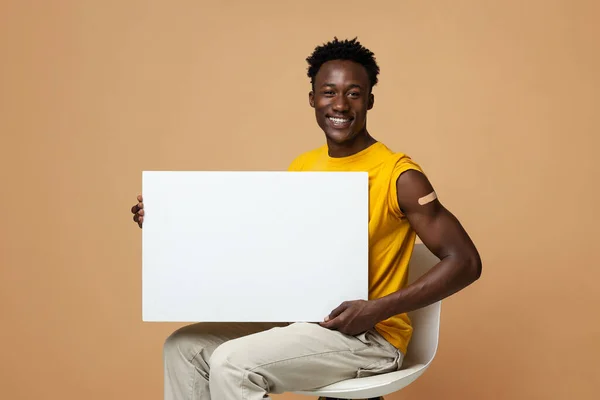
(311, 99)
(371, 101)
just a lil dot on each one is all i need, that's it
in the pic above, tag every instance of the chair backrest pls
(425, 321)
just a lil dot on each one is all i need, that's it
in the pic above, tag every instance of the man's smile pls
(340, 122)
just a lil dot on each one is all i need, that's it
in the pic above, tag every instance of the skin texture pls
(342, 89)
(442, 233)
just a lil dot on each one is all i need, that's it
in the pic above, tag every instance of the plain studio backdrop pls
(498, 101)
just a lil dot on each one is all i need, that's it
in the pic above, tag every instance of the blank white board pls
(252, 246)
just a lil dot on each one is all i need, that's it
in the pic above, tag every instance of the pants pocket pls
(385, 365)
(390, 358)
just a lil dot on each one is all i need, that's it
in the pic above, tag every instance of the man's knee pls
(171, 345)
(226, 358)
(181, 344)
(232, 369)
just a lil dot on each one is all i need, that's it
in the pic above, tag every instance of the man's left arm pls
(444, 236)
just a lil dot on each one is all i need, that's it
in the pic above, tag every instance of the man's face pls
(341, 98)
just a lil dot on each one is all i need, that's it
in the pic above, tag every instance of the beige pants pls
(249, 360)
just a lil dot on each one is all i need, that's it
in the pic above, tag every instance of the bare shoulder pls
(416, 192)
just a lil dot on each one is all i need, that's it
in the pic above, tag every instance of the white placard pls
(252, 246)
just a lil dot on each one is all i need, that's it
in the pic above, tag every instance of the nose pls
(340, 104)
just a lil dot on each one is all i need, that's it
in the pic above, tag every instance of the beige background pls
(497, 100)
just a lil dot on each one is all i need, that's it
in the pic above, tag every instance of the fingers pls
(140, 205)
(138, 211)
(337, 311)
(139, 216)
(332, 321)
(137, 207)
(332, 324)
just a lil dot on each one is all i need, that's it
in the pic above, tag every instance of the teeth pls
(339, 120)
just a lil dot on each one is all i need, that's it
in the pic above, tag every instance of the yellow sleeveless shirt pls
(391, 238)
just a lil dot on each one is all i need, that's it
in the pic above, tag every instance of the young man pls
(359, 338)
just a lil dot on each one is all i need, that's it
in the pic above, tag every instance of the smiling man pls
(360, 337)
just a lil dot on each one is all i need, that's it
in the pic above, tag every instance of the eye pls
(328, 93)
(355, 94)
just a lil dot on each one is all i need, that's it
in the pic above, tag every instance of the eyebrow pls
(354, 85)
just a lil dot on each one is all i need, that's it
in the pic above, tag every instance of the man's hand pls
(138, 211)
(353, 317)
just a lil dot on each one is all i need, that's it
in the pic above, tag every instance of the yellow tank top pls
(391, 238)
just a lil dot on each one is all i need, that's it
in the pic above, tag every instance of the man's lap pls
(297, 356)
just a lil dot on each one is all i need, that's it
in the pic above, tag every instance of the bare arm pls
(443, 234)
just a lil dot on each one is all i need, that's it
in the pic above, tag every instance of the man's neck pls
(358, 144)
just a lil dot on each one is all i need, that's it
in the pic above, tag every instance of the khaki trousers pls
(231, 361)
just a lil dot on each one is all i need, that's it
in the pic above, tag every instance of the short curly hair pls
(350, 50)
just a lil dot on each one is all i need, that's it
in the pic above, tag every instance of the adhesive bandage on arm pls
(428, 199)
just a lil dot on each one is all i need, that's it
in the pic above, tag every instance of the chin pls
(340, 137)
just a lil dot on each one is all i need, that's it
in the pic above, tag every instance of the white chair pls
(420, 353)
